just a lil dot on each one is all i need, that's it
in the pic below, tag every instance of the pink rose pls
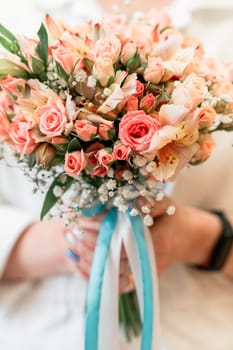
(85, 129)
(104, 158)
(108, 48)
(191, 92)
(137, 129)
(104, 131)
(103, 70)
(75, 162)
(147, 102)
(154, 70)
(21, 135)
(65, 57)
(132, 104)
(207, 116)
(52, 117)
(139, 89)
(4, 125)
(100, 171)
(13, 85)
(121, 151)
(128, 51)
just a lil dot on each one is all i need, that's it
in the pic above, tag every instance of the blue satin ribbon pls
(96, 279)
(97, 274)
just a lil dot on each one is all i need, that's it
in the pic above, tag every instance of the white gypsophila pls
(119, 200)
(111, 194)
(110, 173)
(151, 167)
(57, 191)
(140, 161)
(103, 189)
(134, 212)
(145, 209)
(148, 220)
(80, 76)
(111, 184)
(103, 198)
(107, 92)
(44, 175)
(126, 193)
(144, 193)
(171, 210)
(129, 192)
(91, 81)
(127, 175)
(159, 196)
(225, 119)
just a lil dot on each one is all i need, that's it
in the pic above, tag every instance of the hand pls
(188, 236)
(84, 248)
(39, 252)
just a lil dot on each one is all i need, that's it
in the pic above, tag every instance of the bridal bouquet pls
(101, 114)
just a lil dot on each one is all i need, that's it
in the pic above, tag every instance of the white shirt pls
(197, 308)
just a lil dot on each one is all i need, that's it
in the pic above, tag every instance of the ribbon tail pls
(147, 285)
(96, 280)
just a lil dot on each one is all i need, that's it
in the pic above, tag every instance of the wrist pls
(206, 229)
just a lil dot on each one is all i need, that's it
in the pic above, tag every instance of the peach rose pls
(13, 85)
(6, 103)
(137, 129)
(21, 135)
(128, 50)
(121, 151)
(147, 102)
(65, 57)
(104, 131)
(108, 48)
(4, 125)
(85, 129)
(100, 171)
(104, 158)
(75, 162)
(52, 117)
(206, 115)
(207, 146)
(154, 70)
(191, 92)
(103, 70)
(132, 104)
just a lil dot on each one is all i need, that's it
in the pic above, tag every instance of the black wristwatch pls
(223, 246)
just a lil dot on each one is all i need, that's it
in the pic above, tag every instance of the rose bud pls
(147, 102)
(44, 153)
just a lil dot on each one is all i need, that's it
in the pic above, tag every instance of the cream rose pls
(191, 92)
(154, 70)
(103, 70)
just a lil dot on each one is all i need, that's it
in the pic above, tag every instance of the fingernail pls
(71, 238)
(77, 233)
(73, 256)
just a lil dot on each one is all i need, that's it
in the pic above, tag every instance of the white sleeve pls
(12, 224)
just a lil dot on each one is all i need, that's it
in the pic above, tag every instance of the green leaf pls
(61, 148)
(110, 81)
(111, 133)
(38, 66)
(133, 62)
(43, 45)
(10, 116)
(9, 67)
(7, 34)
(74, 145)
(50, 198)
(61, 72)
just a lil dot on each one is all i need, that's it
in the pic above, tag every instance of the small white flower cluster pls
(56, 82)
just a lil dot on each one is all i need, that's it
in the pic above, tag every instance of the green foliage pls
(42, 47)
(133, 62)
(50, 199)
(74, 145)
(61, 72)
(38, 66)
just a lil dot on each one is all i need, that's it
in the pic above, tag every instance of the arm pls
(188, 236)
